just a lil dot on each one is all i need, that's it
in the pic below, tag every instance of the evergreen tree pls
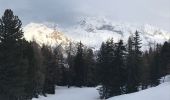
(134, 63)
(35, 71)
(50, 70)
(12, 63)
(165, 59)
(105, 69)
(90, 77)
(120, 67)
(79, 66)
(70, 60)
(145, 73)
(62, 70)
(155, 66)
(137, 60)
(130, 65)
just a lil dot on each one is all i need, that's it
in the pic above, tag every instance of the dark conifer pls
(134, 62)
(79, 66)
(50, 70)
(13, 65)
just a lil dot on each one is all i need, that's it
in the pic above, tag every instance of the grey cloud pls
(65, 12)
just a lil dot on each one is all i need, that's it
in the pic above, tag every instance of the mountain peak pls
(43, 34)
(92, 32)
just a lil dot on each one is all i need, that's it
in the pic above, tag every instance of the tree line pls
(28, 70)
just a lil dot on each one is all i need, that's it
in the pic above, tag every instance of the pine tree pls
(12, 63)
(35, 71)
(130, 65)
(155, 67)
(62, 70)
(90, 76)
(134, 63)
(50, 70)
(165, 58)
(145, 69)
(70, 60)
(137, 60)
(79, 66)
(120, 67)
(105, 69)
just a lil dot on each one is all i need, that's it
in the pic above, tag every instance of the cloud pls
(41, 10)
(66, 12)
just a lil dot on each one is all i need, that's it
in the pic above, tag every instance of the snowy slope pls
(160, 92)
(64, 93)
(165, 79)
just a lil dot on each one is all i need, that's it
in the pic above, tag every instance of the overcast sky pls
(66, 12)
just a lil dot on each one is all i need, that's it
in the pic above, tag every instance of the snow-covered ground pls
(160, 92)
(165, 79)
(73, 93)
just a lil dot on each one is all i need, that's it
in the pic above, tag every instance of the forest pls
(28, 69)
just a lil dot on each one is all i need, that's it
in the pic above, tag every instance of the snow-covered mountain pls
(43, 34)
(93, 31)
